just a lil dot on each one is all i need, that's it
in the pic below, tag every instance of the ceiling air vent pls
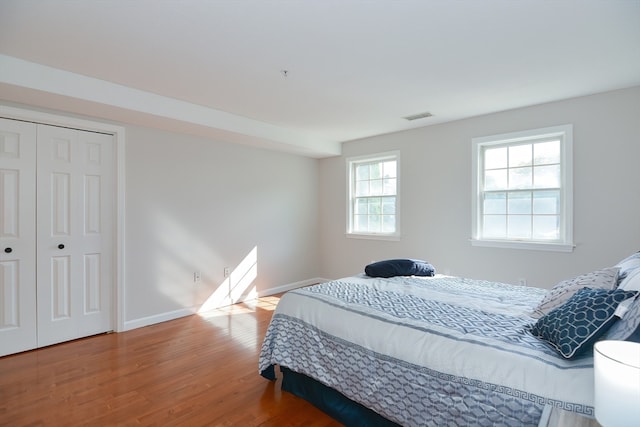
(418, 116)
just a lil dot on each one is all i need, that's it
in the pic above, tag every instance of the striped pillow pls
(606, 278)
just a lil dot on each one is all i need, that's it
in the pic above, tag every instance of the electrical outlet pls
(196, 276)
(522, 281)
(226, 272)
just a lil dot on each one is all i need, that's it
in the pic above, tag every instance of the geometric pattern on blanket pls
(481, 289)
(311, 333)
(462, 319)
(422, 397)
(484, 289)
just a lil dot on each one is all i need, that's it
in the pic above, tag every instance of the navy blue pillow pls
(399, 267)
(576, 325)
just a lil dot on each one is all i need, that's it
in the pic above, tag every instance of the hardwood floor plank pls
(200, 370)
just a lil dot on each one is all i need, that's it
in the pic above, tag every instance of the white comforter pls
(428, 351)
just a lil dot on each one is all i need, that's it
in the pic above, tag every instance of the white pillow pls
(632, 281)
(607, 278)
(628, 327)
(628, 265)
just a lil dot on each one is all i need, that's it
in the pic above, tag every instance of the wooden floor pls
(195, 371)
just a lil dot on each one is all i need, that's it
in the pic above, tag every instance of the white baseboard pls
(290, 286)
(157, 318)
(176, 314)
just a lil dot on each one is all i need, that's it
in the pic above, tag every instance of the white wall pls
(436, 194)
(193, 204)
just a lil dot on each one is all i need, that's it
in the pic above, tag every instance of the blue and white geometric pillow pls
(607, 278)
(628, 327)
(574, 327)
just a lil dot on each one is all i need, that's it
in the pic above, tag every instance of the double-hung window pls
(373, 198)
(522, 185)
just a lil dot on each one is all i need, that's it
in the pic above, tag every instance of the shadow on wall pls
(174, 269)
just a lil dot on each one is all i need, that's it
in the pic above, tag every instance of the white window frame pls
(351, 162)
(565, 241)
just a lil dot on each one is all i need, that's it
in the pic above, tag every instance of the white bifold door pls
(56, 234)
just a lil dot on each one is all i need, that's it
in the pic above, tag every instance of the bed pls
(434, 351)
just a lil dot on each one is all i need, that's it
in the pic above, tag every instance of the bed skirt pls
(350, 413)
(328, 400)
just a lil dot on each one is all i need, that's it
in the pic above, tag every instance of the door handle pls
(60, 246)
(8, 250)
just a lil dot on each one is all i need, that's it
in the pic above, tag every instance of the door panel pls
(60, 288)
(60, 204)
(75, 239)
(93, 301)
(92, 186)
(10, 182)
(17, 236)
(63, 179)
(10, 295)
(97, 227)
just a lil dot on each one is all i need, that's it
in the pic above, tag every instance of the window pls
(522, 186)
(373, 196)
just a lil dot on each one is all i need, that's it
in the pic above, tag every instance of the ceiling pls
(354, 68)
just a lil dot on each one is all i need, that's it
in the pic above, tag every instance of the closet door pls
(17, 236)
(75, 233)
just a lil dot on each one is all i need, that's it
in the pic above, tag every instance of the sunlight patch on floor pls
(267, 303)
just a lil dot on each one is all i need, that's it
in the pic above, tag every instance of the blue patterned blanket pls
(428, 351)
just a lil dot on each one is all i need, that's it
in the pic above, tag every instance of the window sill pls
(391, 237)
(534, 246)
